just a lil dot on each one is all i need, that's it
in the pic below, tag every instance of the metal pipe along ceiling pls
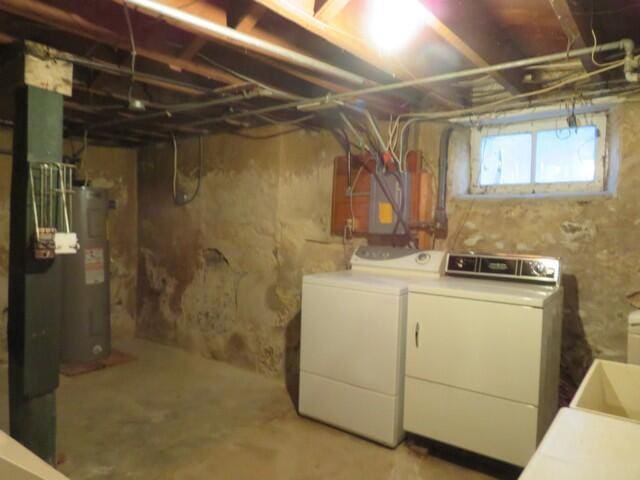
(623, 45)
(187, 107)
(247, 41)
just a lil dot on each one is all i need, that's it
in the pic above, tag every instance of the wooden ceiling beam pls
(246, 23)
(355, 46)
(331, 9)
(385, 105)
(99, 62)
(192, 49)
(211, 12)
(470, 32)
(249, 20)
(94, 29)
(575, 27)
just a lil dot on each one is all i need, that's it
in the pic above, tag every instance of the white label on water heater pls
(94, 265)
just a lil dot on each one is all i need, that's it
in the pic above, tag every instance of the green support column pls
(35, 286)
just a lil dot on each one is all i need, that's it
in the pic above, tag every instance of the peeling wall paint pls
(222, 275)
(114, 169)
(596, 238)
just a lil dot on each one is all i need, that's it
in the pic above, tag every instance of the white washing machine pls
(483, 355)
(352, 341)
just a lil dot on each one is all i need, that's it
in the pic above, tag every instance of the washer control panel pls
(383, 253)
(505, 267)
(399, 259)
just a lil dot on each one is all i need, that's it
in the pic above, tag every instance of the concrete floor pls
(172, 415)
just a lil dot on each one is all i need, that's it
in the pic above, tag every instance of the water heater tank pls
(86, 326)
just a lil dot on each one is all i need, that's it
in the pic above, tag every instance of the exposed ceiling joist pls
(193, 48)
(381, 104)
(575, 27)
(331, 9)
(94, 29)
(210, 13)
(477, 41)
(248, 22)
(141, 77)
(353, 45)
(208, 26)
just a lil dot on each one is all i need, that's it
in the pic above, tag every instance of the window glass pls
(506, 159)
(566, 155)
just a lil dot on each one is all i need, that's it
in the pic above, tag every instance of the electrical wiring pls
(351, 193)
(175, 172)
(266, 137)
(133, 50)
(175, 167)
(294, 121)
(248, 79)
(486, 108)
(593, 51)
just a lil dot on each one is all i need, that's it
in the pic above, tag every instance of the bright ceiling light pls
(392, 24)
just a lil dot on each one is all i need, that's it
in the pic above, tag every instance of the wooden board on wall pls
(357, 207)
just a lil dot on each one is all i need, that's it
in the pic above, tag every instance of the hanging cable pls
(133, 51)
(189, 199)
(175, 168)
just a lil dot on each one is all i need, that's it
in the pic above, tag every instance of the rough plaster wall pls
(597, 239)
(116, 170)
(222, 275)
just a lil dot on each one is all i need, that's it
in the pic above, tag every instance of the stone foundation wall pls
(221, 276)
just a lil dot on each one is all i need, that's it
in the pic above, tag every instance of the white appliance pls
(483, 355)
(587, 446)
(352, 341)
(18, 463)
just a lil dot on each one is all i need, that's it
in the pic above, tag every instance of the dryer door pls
(353, 336)
(483, 347)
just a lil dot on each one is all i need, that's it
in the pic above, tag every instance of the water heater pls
(86, 326)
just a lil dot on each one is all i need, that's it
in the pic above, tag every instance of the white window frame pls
(598, 184)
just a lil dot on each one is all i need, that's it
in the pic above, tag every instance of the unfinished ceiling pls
(146, 69)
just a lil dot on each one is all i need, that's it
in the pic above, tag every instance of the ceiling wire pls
(412, 117)
(133, 49)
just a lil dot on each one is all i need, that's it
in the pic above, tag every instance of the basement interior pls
(319, 239)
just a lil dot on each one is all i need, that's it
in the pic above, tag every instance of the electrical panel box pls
(360, 203)
(390, 192)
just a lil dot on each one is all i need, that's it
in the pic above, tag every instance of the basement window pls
(540, 157)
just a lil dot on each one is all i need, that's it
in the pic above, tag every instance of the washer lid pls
(487, 290)
(359, 281)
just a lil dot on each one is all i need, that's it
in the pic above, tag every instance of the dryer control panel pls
(505, 267)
